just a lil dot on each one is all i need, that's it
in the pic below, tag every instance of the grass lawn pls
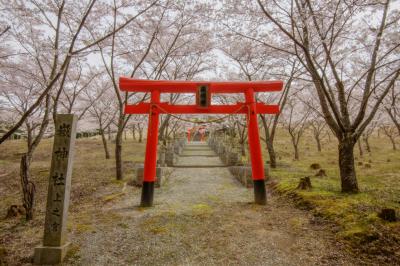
(93, 184)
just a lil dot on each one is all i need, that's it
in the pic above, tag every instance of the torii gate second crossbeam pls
(203, 91)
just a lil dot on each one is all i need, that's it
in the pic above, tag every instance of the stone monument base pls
(50, 255)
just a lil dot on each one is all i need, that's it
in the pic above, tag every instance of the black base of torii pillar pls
(147, 194)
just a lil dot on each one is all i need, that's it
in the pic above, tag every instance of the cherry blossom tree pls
(50, 33)
(392, 106)
(295, 121)
(102, 108)
(351, 62)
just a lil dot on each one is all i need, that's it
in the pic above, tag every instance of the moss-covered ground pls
(354, 216)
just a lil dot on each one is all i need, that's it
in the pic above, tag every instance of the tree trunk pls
(318, 143)
(28, 187)
(295, 147)
(140, 135)
(346, 165)
(166, 132)
(243, 148)
(163, 127)
(270, 144)
(271, 153)
(393, 143)
(134, 132)
(109, 133)
(365, 138)
(118, 157)
(395, 121)
(296, 152)
(103, 138)
(118, 149)
(360, 150)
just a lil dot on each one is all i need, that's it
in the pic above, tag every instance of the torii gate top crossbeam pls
(168, 86)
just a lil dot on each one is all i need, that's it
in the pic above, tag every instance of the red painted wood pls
(257, 163)
(150, 160)
(174, 86)
(165, 108)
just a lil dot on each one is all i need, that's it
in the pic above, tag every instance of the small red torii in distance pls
(203, 91)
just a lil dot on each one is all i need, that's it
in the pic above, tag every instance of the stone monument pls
(55, 242)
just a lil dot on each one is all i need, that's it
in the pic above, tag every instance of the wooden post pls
(150, 161)
(257, 164)
(55, 242)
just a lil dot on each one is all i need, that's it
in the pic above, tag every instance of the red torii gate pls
(195, 128)
(203, 91)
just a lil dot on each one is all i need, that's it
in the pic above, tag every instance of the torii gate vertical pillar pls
(150, 161)
(260, 195)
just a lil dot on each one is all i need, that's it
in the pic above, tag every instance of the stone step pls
(201, 161)
(200, 166)
(201, 155)
(201, 149)
(198, 152)
(195, 154)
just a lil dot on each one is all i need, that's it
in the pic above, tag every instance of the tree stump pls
(321, 173)
(305, 183)
(15, 211)
(388, 214)
(367, 165)
(360, 163)
(315, 166)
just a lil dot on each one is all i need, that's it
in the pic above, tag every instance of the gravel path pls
(203, 216)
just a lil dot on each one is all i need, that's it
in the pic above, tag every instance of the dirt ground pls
(201, 216)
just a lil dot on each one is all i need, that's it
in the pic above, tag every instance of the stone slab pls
(209, 152)
(211, 155)
(197, 149)
(170, 158)
(46, 255)
(230, 158)
(244, 174)
(200, 166)
(199, 161)
(162, 173)
(178, 149)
